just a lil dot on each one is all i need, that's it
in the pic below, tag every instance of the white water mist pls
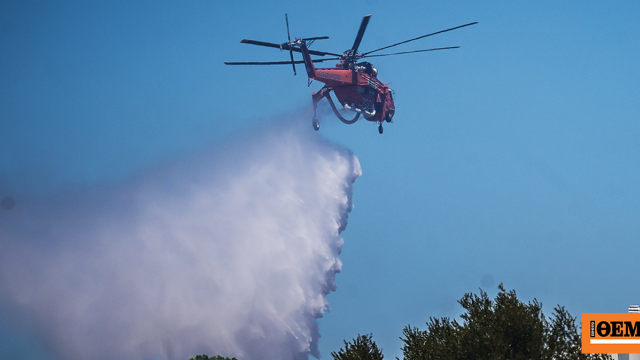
(228, 252)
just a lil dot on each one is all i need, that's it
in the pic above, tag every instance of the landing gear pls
(380, 129)
(387, 116)
(316, 124)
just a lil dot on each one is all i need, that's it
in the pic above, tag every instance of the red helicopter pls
(355, 83)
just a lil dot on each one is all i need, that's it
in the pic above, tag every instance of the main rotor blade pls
(286, 47)
(420, 37)
(415, 51)
(278, 62)
(363, 27)
(316, 38)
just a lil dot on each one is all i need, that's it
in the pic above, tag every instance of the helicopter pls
(354, 82)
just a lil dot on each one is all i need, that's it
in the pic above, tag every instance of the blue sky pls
(513, 159)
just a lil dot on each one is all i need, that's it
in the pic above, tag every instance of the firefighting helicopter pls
(355, 82)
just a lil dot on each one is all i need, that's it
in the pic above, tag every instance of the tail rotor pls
(290, 48)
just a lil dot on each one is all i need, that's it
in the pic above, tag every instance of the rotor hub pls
(351, 55)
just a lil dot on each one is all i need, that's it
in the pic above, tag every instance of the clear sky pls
(512, 159)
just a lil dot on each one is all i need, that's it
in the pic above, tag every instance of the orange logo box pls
(617, 333)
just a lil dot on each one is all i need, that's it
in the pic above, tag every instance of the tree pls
(206, 357)
(360, 348)
(504, 328)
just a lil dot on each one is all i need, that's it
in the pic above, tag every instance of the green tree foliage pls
(205, 357)
(504, 328)
(360, 348)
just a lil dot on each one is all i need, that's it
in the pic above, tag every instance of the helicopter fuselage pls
(359, 91)
(356, 86)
